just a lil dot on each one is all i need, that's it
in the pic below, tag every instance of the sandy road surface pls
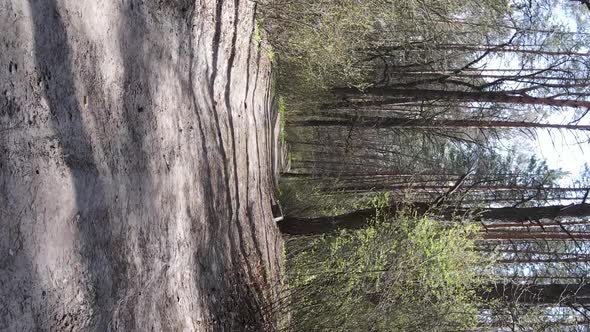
(135, 166)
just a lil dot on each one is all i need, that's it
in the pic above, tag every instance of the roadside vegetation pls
(416, 198)
(402, 272)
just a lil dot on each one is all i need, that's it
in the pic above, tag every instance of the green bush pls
(304, 199)
(405, 274)
(322, 44)
(316, 43)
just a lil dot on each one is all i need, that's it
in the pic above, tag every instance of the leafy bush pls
(323, 44)
(305, 200)
(402, 273)
(316, 43)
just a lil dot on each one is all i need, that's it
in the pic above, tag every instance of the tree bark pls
(394, 122)
(388, 95)
(360, 218)
(538, 294)
(545, 236)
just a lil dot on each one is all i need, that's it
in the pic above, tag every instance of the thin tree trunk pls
(390, 95)
(360, 218)
(518, 260)
(538, 294)
(387, 122)
(545, 236)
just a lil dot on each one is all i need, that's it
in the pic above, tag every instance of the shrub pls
(405, 274)
(323, 44)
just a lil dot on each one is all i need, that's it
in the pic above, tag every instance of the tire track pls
(260, 197)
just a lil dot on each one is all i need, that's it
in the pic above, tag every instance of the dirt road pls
(136, 173)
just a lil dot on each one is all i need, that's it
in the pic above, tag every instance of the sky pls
(561, 149)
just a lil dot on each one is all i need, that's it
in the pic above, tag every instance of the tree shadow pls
(100, 248)
(115, 160)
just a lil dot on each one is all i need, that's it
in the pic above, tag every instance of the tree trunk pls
(360, 218)
(545, 236)
(387, 122)
(388, 95)
(517, 260)
(538, 294)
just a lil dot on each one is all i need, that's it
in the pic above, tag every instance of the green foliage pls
(282, 119)
(302, 199)
(316, 43)
(405, 273)
(402, 273)
(257, 36)
(330, 43)
(270, 52)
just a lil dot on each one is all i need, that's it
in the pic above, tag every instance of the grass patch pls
(282, 119)
(270, 53)
(259, 39)
(257, 35)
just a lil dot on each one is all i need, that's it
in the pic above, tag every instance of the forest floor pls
(138, 166)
